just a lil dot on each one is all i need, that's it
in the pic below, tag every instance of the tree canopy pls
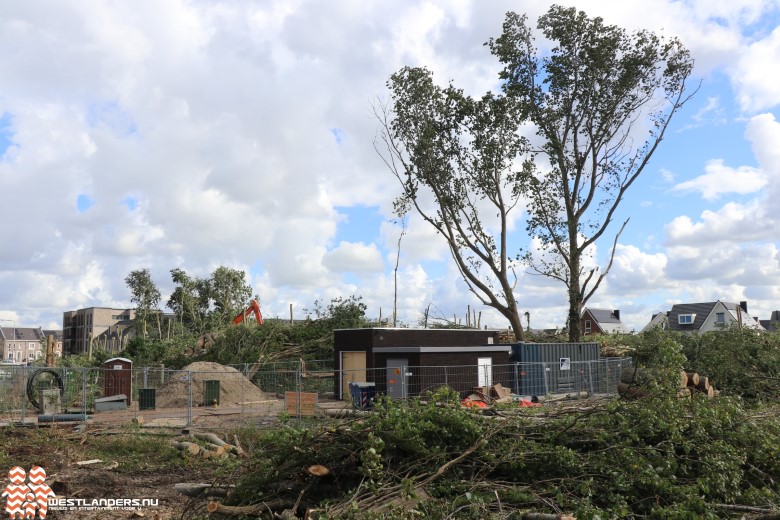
(567, 135)
(146, 297)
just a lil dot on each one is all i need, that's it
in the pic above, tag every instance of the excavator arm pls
(254, 308)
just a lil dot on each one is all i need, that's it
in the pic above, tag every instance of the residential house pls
(773, 323)
(95, 327)
(601, 321)
(26, 344)
(704, 317)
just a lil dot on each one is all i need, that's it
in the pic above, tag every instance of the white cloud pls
(217, 118)
(720, 179)
(354, 257)
(635, 272)
(756, 89)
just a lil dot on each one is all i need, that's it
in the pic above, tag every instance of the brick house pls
(601, 321)
(26, 344)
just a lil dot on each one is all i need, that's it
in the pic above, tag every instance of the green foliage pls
(739, 362)
(189, 301)
(229, 293)
(584, 97)
(659, 457)
(146, 297)
(149, 352)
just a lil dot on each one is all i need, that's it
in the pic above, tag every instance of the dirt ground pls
(135, 461)
(137, 464)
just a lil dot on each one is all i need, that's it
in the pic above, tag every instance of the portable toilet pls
(118, 377)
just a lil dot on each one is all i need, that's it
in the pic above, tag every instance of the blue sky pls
(195, 134)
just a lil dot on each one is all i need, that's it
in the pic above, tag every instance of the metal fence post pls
(189, 399)
(23, 395)
(546, 377)
(84, 395)
(590, 376)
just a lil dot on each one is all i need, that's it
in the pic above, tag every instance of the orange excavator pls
(254, 307)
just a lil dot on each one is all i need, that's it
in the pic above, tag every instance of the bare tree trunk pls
(395, 272)
(575, 288)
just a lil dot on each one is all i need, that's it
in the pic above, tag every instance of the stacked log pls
(703, 385)
(214, 448)
(690, 383)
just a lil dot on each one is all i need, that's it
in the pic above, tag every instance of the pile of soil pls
(234, 387)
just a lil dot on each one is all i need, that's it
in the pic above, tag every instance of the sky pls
(194, 134)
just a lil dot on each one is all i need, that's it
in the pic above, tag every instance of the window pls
(720, 317)
(587, 326)
(685, 319)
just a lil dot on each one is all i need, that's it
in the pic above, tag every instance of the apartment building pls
(25, 344)
(98, 327)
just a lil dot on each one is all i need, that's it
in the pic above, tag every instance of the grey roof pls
(22, 334)
(603, 315)
(701, 310)
(772, 323)
(56, 333)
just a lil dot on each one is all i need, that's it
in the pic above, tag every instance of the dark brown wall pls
(357, 340)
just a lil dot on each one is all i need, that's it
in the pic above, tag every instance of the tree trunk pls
(630, 392)
(516, 322)
(192, 489)
(575, 292)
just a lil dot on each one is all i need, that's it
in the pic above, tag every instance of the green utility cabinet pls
(211, 392)
(146, 399)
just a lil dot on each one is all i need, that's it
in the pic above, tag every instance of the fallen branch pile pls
(445, 461)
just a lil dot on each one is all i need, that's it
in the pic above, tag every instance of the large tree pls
(229, 292)
(465, 165)
(456, 160)
(189, 300)
(146, 297)
(600, 101)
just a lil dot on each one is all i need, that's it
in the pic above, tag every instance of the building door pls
(397, 378)
(485, 372)
(118, 381)
(353, 368)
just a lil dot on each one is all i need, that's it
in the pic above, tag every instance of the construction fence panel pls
(256, 394)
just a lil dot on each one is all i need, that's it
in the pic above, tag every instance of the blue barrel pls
(362, 394)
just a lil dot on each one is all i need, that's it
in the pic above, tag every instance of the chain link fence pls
(177, 398)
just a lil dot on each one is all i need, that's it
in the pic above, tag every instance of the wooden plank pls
(300, 403)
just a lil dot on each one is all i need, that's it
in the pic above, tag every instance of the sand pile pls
(234, 388)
